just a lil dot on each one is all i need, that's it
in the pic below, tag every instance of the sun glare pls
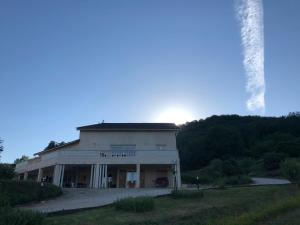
(175, 115)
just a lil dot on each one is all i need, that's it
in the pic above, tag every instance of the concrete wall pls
(142, 140)
(150, 148)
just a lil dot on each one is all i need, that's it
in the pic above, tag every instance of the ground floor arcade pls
(106, 175)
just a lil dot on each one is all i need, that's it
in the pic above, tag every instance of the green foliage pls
(7, 171)
(272, 160)
(262, 214)
(187, 194)
(19, 192)
(231, 167)
(11, 216)
(22, 159)
(237, 180)
(291, 169)
(138, 204)
(53, 144)
(237, 137)
(228, 172)
(1, 146)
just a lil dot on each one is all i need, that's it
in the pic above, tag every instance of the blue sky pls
(69, 63)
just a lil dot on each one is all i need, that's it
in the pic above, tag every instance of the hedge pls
(19, 192)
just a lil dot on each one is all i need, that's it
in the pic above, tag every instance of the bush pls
(237, 180)
(10, 216)
(187, 194)
(290, 168)
(272, 160)
(231, 167)
(7, 171)
(19, 192)
(138, 204)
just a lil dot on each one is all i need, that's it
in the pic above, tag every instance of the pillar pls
(58, 175)
(178, 176)
(25, 175)
(138, 172)
(96, 176)
(92, 176)
(40, 175)
(118, 178)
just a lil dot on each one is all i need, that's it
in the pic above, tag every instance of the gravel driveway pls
(79, 198)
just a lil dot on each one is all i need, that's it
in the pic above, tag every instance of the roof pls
(58, 147)
(129, 127)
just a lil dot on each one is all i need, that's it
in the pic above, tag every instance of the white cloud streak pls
(250, 15)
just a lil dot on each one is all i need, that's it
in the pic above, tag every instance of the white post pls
(178, 176)
(62, 175)
(118, 178)
(40, 175)
(105, 176)
(58, 175)
(96, 175)
(92, 176)
(138, 172)
(26, 175)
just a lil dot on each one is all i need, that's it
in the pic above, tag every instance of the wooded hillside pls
(237, 137)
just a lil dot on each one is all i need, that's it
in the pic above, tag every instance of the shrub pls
(237, 180)
(19, 192)
(188, 179)
(138, 204)
(7, 171)
(272, 160)
(290, 168)
(231, 167)
(10, 216)
(246, 165)
(187, 194)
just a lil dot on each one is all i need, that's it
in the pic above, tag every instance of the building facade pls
(110, 155)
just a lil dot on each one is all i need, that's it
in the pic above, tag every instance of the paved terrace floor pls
(80, 198)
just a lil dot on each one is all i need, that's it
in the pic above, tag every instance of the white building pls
(121, 155)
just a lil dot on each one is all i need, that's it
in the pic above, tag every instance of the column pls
(40, 175)
(138, 172)
(178, 176)
(103, 175)
(25, 175)
(118, 178)
(58, 175)
(62, 175)
(96, 176)
(92, 176)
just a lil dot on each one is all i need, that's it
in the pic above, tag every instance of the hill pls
(225, 137)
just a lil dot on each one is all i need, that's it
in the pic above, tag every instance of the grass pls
(138, 204)
(242, 206)
(186, 194)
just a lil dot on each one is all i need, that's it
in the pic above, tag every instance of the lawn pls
(247, 205)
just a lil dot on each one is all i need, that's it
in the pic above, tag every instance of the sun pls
(175, 115)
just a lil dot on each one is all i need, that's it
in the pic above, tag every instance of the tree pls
(22, 159)
(54, 144)
(1, 148)
(7, 171)
(291, 169)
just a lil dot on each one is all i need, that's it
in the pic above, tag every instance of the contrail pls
(250, 15)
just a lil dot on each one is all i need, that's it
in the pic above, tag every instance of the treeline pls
(228, 137)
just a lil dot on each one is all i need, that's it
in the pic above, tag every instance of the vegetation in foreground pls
(137, 204)
(234, 206)
(17, 192)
